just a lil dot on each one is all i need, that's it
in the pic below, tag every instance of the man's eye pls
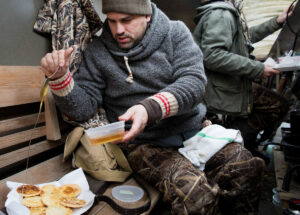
(127, 20)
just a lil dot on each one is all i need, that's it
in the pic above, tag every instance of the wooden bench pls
(19, 104)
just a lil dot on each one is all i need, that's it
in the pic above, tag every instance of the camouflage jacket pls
(70, 23)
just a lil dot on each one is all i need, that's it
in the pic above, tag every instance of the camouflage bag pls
(230, 184)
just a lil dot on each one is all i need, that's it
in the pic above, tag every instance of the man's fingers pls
(67, 54)
(132, 133)
(138, 115)
(46, 71)
(55, 57)
(126, 116)
(44, 63)
(61, 58)
(50, 63)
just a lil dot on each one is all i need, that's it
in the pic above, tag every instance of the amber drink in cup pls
(107, 133)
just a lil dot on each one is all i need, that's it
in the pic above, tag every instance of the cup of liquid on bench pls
(107, 133)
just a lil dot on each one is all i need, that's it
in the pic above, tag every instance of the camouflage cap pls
(139, 7)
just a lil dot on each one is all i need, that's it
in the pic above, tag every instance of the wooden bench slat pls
(20, 84)
(20, 122)
(23, 136)
(47, 171)
(23, 153)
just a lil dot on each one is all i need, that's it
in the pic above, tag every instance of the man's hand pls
(51, 61)
(282, 17)
(269, 71)
(139, 117)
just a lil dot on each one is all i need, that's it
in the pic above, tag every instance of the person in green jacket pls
(224, 39)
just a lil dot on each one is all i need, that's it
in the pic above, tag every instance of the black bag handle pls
(120, 209)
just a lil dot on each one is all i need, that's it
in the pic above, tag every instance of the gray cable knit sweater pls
(166, 66)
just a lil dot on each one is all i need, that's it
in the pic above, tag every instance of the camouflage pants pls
(269, 110)
(231, 183)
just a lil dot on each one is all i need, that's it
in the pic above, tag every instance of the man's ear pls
(148, 17)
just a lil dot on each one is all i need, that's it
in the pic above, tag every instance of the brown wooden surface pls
(50, 170)
(280, 170)
(23, 136)
(23, 153)
(20, 84)
(103, 208)
(52, 125)
(20, 122)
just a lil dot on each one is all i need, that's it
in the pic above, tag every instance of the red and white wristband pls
(62, 86)
(167, 102)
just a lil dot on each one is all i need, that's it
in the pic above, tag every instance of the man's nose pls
(120, 28)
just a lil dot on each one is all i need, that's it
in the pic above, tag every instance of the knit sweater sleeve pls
(188, 85)
(153, 109)
(80, 100)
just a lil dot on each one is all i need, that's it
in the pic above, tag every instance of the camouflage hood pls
(212, 6)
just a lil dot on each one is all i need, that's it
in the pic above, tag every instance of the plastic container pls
(127, 193)
(107, 133)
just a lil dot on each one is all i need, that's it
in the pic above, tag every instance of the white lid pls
(127, 193)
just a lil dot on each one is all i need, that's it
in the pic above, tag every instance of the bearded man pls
(147, 70)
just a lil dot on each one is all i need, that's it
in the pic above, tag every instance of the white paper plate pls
(14, 204)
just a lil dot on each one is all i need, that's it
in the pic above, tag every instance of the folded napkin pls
(201, 147)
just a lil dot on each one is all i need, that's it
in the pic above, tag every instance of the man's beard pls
(131, 40)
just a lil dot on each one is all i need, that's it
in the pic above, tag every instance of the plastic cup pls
(107, 133)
